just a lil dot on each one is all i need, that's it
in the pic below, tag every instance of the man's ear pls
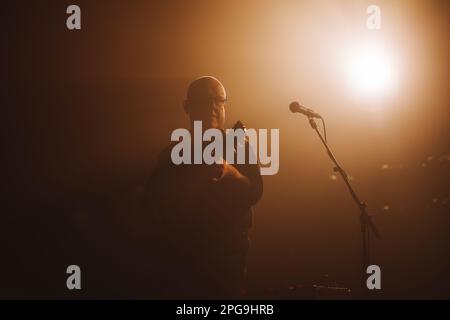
(186, 106)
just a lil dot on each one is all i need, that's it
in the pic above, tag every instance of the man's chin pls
(212, 125)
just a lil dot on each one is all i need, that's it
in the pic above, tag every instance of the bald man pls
(200, 214)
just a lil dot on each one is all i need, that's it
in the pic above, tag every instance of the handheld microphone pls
(296, 107)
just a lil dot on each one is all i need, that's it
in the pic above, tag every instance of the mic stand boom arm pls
(367, 225)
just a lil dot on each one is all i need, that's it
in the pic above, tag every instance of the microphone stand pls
(367, 226)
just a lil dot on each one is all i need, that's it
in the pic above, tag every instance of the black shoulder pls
(164, 157)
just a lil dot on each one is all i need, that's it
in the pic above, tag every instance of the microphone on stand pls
(296, 107)
(367, 225)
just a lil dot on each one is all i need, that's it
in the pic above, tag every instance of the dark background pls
(86, 112)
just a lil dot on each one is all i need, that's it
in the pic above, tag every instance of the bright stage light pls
(371, 71)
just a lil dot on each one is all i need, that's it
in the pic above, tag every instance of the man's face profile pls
(205, 102)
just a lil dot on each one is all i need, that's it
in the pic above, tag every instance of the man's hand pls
(233, 185)
(226, 171)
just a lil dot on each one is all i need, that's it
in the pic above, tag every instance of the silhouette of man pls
(201, 214)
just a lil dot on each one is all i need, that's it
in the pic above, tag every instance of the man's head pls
(205, 101)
